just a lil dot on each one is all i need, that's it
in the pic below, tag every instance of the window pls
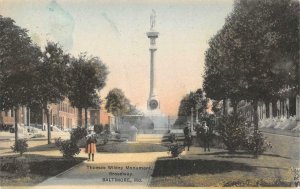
(54, 120)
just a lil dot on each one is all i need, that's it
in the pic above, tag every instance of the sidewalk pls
(126, 170)
(280, 132)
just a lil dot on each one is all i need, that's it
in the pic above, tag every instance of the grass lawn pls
(117, 147)
(45, 161)
(42, 159)
(218, 168)
(41, 167)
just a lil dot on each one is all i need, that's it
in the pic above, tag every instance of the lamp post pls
(192, 119)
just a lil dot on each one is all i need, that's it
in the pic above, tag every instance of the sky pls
(116, 31)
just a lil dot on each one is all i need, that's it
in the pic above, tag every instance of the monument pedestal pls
(160, 121)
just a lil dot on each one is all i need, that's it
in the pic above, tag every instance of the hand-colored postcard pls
(149, 93)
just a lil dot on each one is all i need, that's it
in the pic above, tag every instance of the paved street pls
(126, 170)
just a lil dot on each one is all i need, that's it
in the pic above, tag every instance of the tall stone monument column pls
(159, 122)
(152, 103)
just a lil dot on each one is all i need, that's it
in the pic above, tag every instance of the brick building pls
(101, 116)
(62, 115)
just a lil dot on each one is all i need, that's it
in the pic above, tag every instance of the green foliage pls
(51, 78)
(233, 131)
(18, 60)
(20, 146)
(256, 143)
(116, 102)
(98, 128)
(172, 137)
(87, 75)
(217, 107)
(67, 147)
(50, 81)
(249, 58)
(193, 100)
(255, 54)
(175, 149)
(77, 134)
(237, 134)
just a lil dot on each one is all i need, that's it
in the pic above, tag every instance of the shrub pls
(118, 136)
(107, 128)
(233, 131)
(21, 146)
(77, 134)
(256, 143)
(98, 128)
(67, 147)
(172, 137)
(175, 149)
(57, 142)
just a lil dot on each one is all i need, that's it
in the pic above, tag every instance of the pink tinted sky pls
(116, 32)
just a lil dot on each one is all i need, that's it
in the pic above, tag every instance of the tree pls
(214, 83)
(87, 76)
(256, 46)
(51, 81)
(217, 107)
(93, 102)
(269, 36)
(117, 103)
(18, 58)
(194, 100)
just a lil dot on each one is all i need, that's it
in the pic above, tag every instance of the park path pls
(126, 170)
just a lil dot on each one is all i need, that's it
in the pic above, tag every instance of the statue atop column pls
(152, 20)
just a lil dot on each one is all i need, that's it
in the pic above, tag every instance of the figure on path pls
(91, 146)
(187, 136)
(206, 136)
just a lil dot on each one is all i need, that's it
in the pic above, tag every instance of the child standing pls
(91, 147)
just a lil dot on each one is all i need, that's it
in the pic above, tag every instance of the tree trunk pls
(224, 107)
(85, 117)
(1, 117)
(48, 124)
(255, 114)
(274, 108)
(16, 125)
(79, 119)
(117, 122)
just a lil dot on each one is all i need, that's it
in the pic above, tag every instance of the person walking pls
(206, 136)
(187, 136)
(91, 147)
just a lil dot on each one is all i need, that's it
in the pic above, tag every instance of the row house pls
(62, 116)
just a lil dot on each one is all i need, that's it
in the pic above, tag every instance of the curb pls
(56, 176)
(68, 169)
